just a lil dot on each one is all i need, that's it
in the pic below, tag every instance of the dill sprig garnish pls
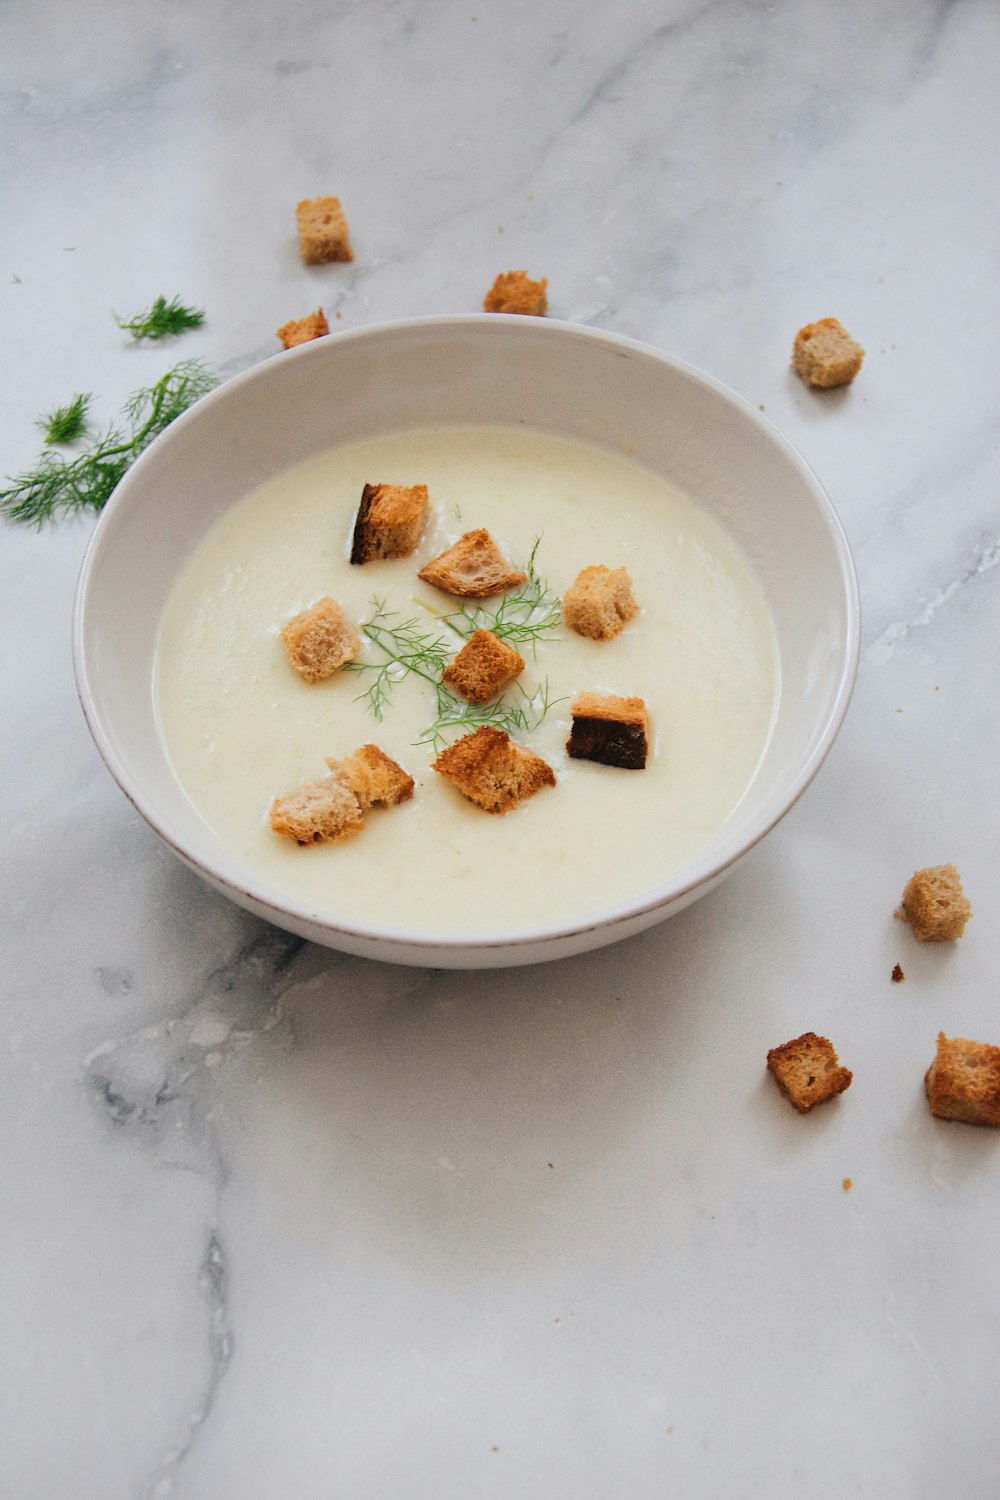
(405, 648)
(525, 616)
(66, 423)
(507, 712)
(88, 481)
(163, 320)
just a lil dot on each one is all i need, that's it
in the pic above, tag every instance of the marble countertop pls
(283, 1223)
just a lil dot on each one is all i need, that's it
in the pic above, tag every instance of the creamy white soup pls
(242, 728)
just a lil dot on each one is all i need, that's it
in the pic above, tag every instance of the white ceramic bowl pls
(570, 381)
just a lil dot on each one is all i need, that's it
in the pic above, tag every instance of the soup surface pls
(241, 728)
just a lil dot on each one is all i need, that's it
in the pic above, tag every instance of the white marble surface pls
(282, 1223)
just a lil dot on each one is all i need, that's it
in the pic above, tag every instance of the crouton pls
(302, 330)
(321, 812)
(807, 1071)
(492, 771)
(963, 1081)
(474, 568)
(374, 779)
(600, 603)
(825, 355)
(609, 730)
(389, 521)
(319, 640)
(935, 905)
(322, 230)
(483, 667)
(515, 292)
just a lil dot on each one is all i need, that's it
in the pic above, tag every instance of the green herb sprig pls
(66, 423)
(404, 648)
(163, 320)
(508, 712)
(87, 481)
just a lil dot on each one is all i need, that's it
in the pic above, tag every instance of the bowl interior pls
(569, 381)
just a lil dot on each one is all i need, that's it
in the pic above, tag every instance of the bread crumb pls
(825, 355)
(935, 905)
(474, 568)
(374, 779)
(609, 730)
(848, 1184)
(319, 640)
(389, 522)
(323, 234)
(897, 974)
(515, 292)
(303, 330)
(600, 602)
(807, 1071)
(483, 667)
(963, 1081)
(492, 770)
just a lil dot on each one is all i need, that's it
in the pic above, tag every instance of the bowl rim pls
(639, 910)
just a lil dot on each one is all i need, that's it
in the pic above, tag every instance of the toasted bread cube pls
(321, 812)
(302, 330)
(322, 230)
(807, 1071)
(389, 521)
(375, 779)
(600, 603)
(319, 640)
(483, 667)
(474, 568)
(825, 355)
(609, 730)
(963, 1081)
(492, 770)
(935, 905)
(515, 292)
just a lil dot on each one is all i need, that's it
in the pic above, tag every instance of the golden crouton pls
(474, 568)
(374, 779)
(492, 771)
(825, 355)
(514, 292)
(807, 1071)
(609, 730)
(302, 330)
(963, 1081)
(322, 230)
(389, 521)
(935, 906)
(319, 640)
(320, 812)
(483, 667)
(600, 603)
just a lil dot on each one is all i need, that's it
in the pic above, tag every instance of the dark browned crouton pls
(807, 1071)
(600, 603)
(963, 1081)
(319, 640)
(322, 230)
(483, 667)
(609, 730)
(515, 292)
(389, 521)
(474, 568)
(492, 771)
